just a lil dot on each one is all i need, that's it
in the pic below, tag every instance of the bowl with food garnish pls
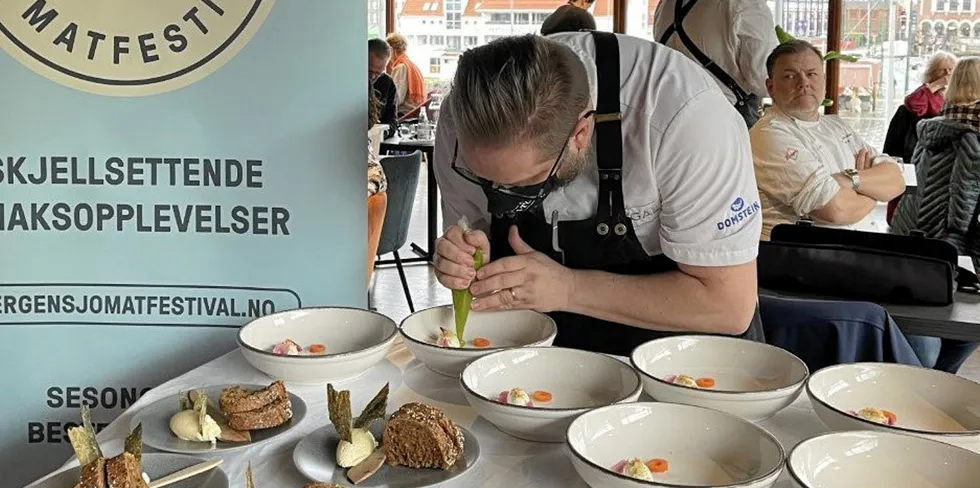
(446, 341)
(898, 398)
(745, 378)
(873, 458)
(533, 393)
(635, 445)
(317, 345)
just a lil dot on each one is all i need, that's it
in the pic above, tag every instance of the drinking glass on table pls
(406, 131)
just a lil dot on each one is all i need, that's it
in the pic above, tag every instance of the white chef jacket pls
(738, 36)
(688, 181)
(795, 164)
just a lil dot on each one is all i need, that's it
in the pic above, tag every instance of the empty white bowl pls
(752, 380)
(927, 403)
(872, 458)
(355, 340)
(702, 447)
(577, 380)
(512, 328)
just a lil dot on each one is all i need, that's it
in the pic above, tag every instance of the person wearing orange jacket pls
(407, 76)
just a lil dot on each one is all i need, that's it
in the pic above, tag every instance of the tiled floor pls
(389, 298)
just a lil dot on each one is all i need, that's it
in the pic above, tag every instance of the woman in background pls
(377, 186)
(407, 76)
(947, 168)
(927, 100)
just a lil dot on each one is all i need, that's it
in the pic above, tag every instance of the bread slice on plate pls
(124, 471)
(237, 399)
(422, 436)
(271, 415)
(92, 475)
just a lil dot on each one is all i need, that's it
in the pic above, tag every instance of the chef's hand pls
(454, 256)
(527, 280)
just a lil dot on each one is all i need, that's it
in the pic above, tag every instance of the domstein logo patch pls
(128, 47)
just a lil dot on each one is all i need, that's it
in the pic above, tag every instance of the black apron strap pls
(680, 13)
(672, 28)
(609, 130)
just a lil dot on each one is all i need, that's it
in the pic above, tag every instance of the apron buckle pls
(610, 174)
(554, 236)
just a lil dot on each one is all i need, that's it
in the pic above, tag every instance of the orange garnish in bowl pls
(317, 349)
(657, 465)
(541, 396)
(481, 342)
(705, 382)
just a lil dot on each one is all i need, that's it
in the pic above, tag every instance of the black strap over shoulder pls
(609, 130)
(680, 13)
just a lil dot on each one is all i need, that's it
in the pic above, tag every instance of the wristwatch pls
(853, 175)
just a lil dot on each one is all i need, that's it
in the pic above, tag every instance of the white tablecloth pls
(505, 462)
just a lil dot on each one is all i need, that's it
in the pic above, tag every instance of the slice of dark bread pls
(92, 475)
(237, 399)
(124, 471)
(271, 415)
(422, 436)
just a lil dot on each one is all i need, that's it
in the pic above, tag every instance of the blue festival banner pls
(168, 171)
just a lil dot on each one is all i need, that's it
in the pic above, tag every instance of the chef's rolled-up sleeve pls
(710, 210)
(459, 196)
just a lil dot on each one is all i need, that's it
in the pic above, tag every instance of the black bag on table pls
(855, 265)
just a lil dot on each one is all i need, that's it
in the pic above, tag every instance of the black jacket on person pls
(568, 18)
(386, 93)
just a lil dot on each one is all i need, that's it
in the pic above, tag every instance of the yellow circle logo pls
(128, 47)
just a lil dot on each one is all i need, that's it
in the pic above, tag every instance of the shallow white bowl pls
(578, 381)
(873, 458)
(928, 403)
(703, 447)
(513, 328)
(752, 380)
(355, 339)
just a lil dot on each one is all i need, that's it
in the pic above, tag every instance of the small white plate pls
(155, 465)
(314, 456)
(156, 424)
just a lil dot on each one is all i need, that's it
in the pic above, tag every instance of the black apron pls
(606, 242)
(747, 104)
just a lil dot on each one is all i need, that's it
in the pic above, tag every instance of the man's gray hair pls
(519, 89)
(379, 48)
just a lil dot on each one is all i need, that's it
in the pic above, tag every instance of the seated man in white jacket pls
(810, 165)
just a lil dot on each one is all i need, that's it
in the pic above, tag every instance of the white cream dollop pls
(361, 446)
(685, 380)
(185, 425)
(448, 339)
(636, 468)
(519, 397)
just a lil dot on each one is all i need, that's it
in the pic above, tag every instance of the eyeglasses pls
(533, 192)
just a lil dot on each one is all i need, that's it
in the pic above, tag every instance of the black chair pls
(402, 172)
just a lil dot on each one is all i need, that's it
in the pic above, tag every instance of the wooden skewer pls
(185, 473)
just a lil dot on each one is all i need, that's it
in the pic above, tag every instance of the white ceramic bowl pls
(513, 328)
(702, 447)
(355, 339)
(872, 458)
(578, 381)
(752, 380)
(927, 403)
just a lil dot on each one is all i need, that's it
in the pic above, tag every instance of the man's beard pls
(572, 165)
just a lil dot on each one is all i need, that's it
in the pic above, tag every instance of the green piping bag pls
(463, 299)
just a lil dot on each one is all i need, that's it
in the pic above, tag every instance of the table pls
(505, 462)
(396, 143)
